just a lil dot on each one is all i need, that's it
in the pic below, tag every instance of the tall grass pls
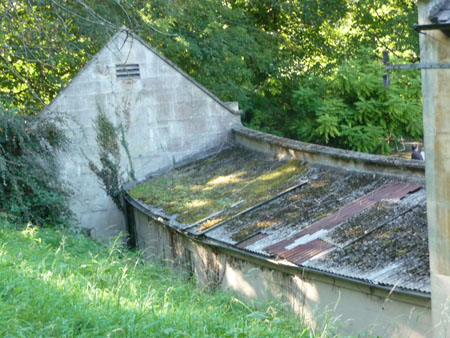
(56, 283)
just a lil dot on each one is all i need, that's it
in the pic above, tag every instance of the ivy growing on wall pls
(108, 139)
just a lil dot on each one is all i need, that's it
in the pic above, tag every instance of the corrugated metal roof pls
(394, 254)
(249, 241)
(390, 275)
(284, 216)
(292, 225)
(306, 251)
(393, 190)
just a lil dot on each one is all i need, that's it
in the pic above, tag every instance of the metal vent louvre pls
(127, 71)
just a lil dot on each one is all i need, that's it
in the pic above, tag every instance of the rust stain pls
(304, 252)
(392, 191)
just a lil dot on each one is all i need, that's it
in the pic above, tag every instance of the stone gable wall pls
(167, 117)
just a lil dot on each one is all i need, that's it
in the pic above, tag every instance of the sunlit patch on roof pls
(224, 180)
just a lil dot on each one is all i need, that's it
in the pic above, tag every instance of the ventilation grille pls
(128, 71)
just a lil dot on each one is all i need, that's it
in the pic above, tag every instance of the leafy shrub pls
(352, 109)
(29, 186)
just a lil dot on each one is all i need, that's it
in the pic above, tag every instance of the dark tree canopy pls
(262, 53)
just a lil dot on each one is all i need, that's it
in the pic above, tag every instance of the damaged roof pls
(352, 224)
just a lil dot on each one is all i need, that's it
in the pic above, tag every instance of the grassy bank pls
(55, 283)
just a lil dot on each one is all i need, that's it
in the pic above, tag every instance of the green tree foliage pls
(381, 24)
(321, 107)
(352, 109)
(39, 52)
(257, 52)
(29, 188)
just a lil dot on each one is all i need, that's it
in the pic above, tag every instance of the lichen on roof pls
(389, 237)
(324, 193)
(218, 187)
(405, 235)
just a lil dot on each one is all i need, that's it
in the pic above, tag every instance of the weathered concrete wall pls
(285, 148)
(435, 48)
(166, 116)
(356, 308)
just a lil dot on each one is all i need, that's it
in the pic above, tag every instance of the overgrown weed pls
(58, 283)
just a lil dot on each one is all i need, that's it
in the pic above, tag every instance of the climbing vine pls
(108, 139)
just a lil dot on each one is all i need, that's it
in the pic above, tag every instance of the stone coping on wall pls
(313, 153)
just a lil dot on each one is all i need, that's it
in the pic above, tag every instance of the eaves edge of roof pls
(282, 263)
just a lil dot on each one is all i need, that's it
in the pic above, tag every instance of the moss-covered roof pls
(216, 188)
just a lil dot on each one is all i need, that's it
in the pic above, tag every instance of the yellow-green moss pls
(233, 178)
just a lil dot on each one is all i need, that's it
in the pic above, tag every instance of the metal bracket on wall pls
(408, 66)
(444, 27)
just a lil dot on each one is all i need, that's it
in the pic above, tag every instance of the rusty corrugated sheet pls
(306, 251)
(393, 190)
(249, 241)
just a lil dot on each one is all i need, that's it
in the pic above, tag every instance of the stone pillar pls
(435, 48)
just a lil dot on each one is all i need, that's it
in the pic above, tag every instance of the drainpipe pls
(130, 223)
(435, 48)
